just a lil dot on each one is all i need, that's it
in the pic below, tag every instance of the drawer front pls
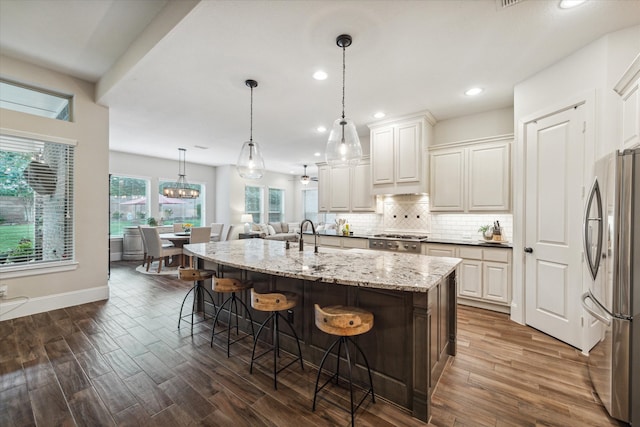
(467, 252)
(350, 242)
(497, 255)
(329, 241)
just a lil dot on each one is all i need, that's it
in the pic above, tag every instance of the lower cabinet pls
(484, 276)
(337, 242)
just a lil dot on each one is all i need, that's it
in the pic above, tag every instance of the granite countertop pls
(365, 268)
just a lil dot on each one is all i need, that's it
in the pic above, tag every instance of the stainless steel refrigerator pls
(612, 252)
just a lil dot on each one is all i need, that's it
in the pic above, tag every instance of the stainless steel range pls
(397, 242)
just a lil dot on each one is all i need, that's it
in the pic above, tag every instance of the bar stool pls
(274, 302)
(344, 322)
(191, 274)
(229, 285)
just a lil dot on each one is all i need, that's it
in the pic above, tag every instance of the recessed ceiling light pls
(317, 154)
(379, 115)
(321, 129)
(568, 4)
(474, 91)
(320, 75)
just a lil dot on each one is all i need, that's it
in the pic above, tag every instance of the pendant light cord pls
(344, 48)
(251, 118)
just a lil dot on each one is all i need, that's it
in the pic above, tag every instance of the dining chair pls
(216, 228)
(199, 235)
(232, 232)
(155, 248)
(177, 227)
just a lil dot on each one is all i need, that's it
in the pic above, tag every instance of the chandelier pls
(181, 188)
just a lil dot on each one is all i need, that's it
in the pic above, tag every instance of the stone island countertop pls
(364, 268)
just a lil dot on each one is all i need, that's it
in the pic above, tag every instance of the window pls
(276, 205)
(35, 101)
(36, 202)
(127, 203)
(310, 204)
(180, 210)
(253, 202)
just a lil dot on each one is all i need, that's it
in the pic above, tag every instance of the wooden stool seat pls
(343, 321)
(273, 301)
(192, 274)
(199, 292)
(229, 285)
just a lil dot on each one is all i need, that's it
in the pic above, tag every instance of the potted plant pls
(152, 222)
(486, 231)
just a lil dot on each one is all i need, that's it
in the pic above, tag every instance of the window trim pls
(69, 97)
(284, 201)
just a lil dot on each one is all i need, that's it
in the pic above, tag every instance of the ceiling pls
(172, 72)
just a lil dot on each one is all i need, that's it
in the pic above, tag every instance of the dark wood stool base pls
(198, 295)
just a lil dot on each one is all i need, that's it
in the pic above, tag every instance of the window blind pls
(36, 202)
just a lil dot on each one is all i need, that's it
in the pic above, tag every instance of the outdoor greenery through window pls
(253, 202)
(36, 201)
(180, 210)
(276, 205)
(128, 205)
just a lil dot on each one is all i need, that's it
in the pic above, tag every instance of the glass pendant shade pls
(250, 163)
(343, 147)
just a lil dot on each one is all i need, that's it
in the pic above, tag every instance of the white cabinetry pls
(361, 198)
(398, 147)
(324, 176)
(340, 189)
(337, 242)
(484, 276)
(471, 177)
(629, 90)
(343, 189)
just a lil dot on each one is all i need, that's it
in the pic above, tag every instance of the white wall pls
(90, 128)
(474, 126)
(156, 169)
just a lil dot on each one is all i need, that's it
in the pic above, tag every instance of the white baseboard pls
(27, 306)
(115, 256)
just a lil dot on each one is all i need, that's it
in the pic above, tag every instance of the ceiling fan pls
(306, 179)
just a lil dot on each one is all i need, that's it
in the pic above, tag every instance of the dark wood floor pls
(123, 362)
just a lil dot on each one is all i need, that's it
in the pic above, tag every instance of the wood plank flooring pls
(124, 362)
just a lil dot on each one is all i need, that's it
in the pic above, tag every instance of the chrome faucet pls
(315, 236)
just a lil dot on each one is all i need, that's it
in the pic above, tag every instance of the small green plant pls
(484, 228)
(152, 222)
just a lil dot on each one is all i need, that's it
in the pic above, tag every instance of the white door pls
(553, 224)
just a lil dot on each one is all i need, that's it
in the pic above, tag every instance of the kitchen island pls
(413, 299)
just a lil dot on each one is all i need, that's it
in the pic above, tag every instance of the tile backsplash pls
(410, 213)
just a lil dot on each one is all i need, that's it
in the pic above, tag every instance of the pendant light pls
(181, 188)
(250, 162)
(304, 179)
(343, 147)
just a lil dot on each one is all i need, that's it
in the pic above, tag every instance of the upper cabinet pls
(471, 177)
(629, 90)
(398, 154)
(343, 189)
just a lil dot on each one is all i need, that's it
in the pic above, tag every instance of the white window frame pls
(284, 201)
(28, 269)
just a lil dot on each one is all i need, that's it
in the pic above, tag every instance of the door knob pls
(528, 250)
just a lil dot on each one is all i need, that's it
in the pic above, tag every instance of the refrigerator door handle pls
(601, 317)
(594, 202)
